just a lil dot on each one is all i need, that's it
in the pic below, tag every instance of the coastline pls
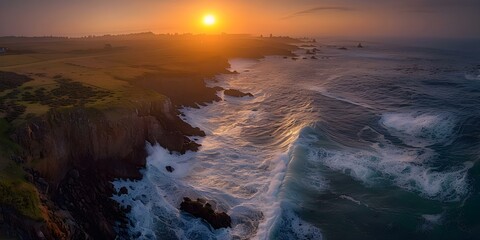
(74, 166)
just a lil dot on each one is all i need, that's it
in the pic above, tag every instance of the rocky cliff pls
(73, 154)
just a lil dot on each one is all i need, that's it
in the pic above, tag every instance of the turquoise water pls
(374, 143)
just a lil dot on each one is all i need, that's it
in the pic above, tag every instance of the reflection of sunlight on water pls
(245, 154)
(242, 162)
(309, 129)
(241, 64)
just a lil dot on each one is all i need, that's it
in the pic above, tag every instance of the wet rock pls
(359, 45)
(123, 190)
(201, 209)
(236, 93)
(342, 48)
(170, 168)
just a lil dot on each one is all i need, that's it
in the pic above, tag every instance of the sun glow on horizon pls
(209, 20)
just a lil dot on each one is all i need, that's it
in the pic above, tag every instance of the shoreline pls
(68, 196)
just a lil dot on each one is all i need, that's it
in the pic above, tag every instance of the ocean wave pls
(154, 199)
(473, 76)
(372, 168)
(420, 129)
(290, 226)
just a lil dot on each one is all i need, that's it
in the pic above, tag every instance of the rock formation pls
(236, 93)
(202, 209)
(77, 152)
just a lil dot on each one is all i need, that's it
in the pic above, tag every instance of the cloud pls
(317, 10)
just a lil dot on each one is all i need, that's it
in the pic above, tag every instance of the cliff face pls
(73, 155)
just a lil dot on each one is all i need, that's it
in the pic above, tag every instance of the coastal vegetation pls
(15, 191)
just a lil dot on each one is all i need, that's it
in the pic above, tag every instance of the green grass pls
(15, 191)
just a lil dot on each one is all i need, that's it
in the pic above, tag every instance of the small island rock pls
(170, 168)
(236, 93)
(201, 209)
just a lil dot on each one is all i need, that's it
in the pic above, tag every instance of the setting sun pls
(209, 20)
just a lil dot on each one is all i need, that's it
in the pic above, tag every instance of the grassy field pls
(114, 69)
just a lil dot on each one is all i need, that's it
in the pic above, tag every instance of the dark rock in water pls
(203, 210)
(313, 57)
(309, 52)
(236, 93)
(342, 48)
(359, 45)
(74, 173)
(170, 168)
(123, 190)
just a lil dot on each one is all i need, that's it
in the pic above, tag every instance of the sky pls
(356, 18)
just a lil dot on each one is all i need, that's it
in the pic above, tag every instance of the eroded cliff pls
(73, 154)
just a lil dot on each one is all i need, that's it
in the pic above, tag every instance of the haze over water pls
(413, 19)
(376, 142)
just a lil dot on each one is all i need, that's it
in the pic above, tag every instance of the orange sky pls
(424, 18)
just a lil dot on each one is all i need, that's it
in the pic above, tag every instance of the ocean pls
(380, 142)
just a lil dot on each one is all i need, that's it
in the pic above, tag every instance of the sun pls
(209, 20)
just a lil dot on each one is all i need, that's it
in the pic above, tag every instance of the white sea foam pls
(420, 129)
(433, 218)
(323, 90)
(473, 76)
(290, 226)
(351, 199)
(315, 181)
(155, 198)
(240, 177)
(375, 167)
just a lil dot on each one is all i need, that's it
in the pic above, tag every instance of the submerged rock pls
(236, 93)
(170, 168)
(201, 209)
